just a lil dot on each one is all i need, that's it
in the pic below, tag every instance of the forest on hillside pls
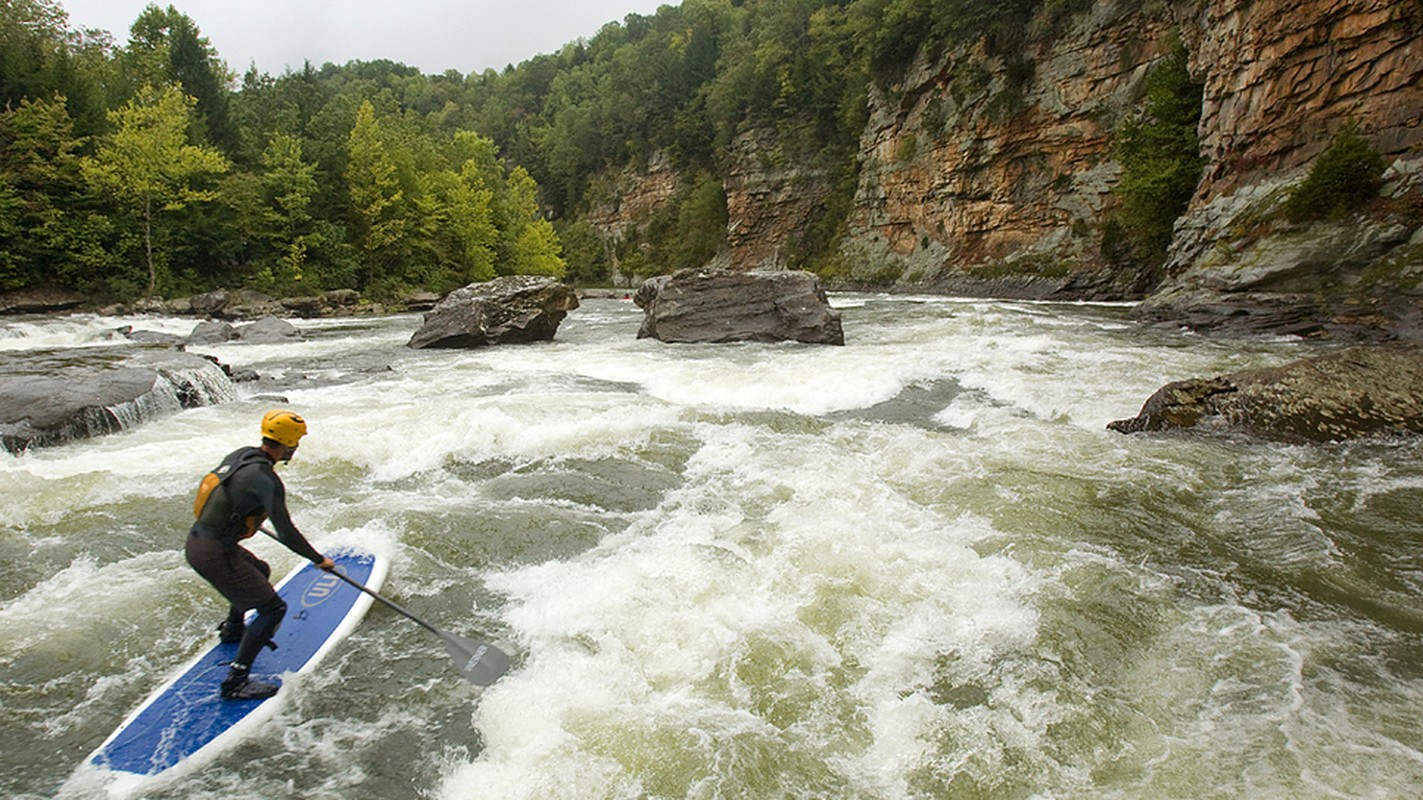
(148, 167)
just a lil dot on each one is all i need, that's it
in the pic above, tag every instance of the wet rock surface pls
(514, 309)
(1355, 393)
(50, 398)
(729, 306)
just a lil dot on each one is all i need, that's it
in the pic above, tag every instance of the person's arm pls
(276, 504)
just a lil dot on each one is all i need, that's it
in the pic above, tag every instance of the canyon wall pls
(1281, 79)
(993, 172)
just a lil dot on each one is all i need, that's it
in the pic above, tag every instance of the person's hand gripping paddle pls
(479, 662)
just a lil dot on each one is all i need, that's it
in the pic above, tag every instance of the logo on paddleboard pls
(320, 590)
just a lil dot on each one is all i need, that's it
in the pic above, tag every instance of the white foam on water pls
(775, 595)
(1013, 602)
(82, 330)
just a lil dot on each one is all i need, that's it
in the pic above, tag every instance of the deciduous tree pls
(147, 166)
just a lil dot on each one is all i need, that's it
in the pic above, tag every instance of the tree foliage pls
(1346, 175)
(147, 167)
(1159, 151)
(373, 176)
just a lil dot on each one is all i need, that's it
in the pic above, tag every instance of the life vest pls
(243, 527)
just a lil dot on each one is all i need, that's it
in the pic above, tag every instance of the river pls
(916, 566)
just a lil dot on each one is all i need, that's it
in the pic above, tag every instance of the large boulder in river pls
(696, 305)
(1354, 393)
(267, 330)
(514, 309)
(57, 396)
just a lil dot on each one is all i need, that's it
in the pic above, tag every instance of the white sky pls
(433, 35)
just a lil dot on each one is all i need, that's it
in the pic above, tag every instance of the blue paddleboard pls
(185, 722)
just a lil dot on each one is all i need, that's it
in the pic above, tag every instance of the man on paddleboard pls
(233, 501)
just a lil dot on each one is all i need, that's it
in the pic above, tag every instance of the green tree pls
(41, 58)
(147, 166)
(584, 252)
(288, 185)
(375, 191)
(49, 230)
(165, 46)
(472, 221)
(1159, 151)
(701, 224)
(1346, 175)
(31, 32)
(535, 248)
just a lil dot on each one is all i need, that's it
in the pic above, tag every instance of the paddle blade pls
(477, 661)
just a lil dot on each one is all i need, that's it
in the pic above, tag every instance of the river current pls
(916, 566)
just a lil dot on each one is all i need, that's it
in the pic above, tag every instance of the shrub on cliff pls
(1160, 156)
(1344, 177)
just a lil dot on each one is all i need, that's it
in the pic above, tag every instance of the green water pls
(913, 567)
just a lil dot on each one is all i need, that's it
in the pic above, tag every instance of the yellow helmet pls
(283, 427)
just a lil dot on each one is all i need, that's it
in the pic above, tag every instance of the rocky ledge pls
(48, 399)
(1367, 391)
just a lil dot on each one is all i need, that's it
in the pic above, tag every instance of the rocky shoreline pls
(1373, 388)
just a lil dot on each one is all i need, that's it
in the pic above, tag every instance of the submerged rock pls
(514, 309)
(267, 330)
(1359, 392)
(52, 398)
(211, 331)
(728, 306)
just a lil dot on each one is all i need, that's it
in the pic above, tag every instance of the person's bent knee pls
(275, 609)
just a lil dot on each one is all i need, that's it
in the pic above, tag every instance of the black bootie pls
(238, 686)
(231, 630)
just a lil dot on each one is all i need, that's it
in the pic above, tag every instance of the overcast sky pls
(434, 35)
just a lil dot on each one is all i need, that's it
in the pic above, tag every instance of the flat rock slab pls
(1355, 393)
(55, 397)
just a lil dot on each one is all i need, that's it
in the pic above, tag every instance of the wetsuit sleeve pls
(275, 501)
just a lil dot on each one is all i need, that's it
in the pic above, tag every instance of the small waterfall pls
(175, 388)
(177, 381)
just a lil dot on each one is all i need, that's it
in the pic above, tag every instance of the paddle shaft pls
(391, 604)
(388, 603)
(477, 661)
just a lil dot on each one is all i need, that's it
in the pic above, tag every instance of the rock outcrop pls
(993, 172)
(246, 304)
(1355, 393)
(998, 174)
(48, 399)
(514, 309)
(768, 208)
(39, 300)
(1280, 79)
(977, 164)
(735, 306)
(267, 330)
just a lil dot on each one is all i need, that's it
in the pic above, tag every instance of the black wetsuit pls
(252, 491)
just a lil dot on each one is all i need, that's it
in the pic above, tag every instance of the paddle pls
(479, 662)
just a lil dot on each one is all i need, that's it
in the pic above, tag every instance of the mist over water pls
(916, 566)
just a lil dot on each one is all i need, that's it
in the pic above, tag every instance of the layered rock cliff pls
(1281, 79)
(993, 172)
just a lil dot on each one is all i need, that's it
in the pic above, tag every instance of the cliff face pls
(992, 164)
(1280, 80)
(973, 183)
(994, 172)
(1281, 76)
